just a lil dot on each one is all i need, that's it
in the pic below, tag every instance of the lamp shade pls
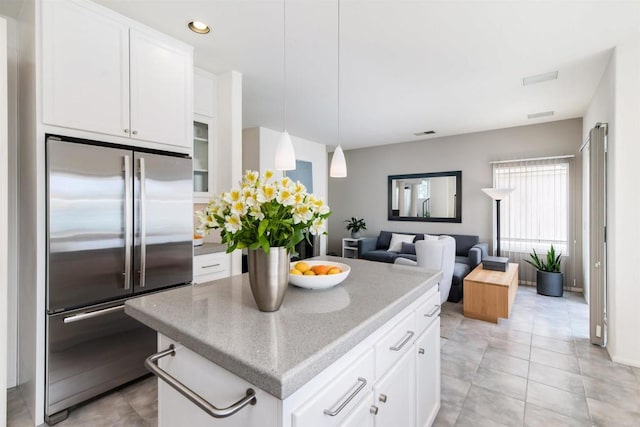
(498, 193)
(285, 154)
(338, 164)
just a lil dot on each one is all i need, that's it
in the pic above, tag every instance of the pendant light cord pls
(284, 66)
(338, 73)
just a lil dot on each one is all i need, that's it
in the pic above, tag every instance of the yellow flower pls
(232, 223)
(285, 197)
(268, 174)
(266, 193)
(231, 196)
(286, 182)
(251, 177)
(317, 227)
(302, 213)
(238, 208)
(299, 188)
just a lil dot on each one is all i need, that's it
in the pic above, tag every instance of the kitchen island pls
(364, 352)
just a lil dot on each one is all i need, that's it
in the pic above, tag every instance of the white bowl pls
(319, 282)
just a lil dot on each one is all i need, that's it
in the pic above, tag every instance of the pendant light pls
(338, 163)
(285, 154)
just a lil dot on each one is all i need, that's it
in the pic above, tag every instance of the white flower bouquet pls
(264, 212)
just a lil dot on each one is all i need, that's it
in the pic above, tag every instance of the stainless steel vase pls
(268, 276)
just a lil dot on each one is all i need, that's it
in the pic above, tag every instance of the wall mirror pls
(429, 197)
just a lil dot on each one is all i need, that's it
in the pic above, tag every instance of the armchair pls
(436, 255)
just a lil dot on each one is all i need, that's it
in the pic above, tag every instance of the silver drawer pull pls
(434, 311)
(211, 266)
(335, 412)
(91, 314)
(152, 364)
(404, 341)
(421, 351)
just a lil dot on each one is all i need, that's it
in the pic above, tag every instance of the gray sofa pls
(469, 253)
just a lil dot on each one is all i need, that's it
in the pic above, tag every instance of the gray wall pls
(364, 192)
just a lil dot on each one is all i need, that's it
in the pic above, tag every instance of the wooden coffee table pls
(489, 294)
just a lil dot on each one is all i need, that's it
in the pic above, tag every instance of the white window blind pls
(536, 214)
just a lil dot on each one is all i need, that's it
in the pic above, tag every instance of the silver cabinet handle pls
(135, 132)
(404, 341)
(335, 412)
(152, 364)
(143, 223)
(91, 314)
(211, 266)
(128, 221)
(126, 131)
(421, 351)
(373, 410)
(383, 398)
(434, 311)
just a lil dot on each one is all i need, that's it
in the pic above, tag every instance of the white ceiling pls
(405, 66)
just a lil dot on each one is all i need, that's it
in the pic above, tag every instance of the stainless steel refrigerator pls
(119, 224)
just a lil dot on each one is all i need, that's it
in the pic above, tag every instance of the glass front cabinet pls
(203, 159)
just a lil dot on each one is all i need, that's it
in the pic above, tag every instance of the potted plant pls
(355, 225)
(549, 279)
(268, 216)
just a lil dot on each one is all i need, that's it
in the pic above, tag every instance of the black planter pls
(549, 284)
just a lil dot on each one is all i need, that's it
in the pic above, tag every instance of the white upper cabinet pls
(161, 87)
(85, 73)
(104, 73)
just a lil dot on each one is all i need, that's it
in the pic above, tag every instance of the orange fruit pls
(334, 270)
(302, 266)
(320, 270)
(309, 273)
(295, 272)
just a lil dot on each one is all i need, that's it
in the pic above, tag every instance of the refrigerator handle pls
(128, 213)
(143, 226)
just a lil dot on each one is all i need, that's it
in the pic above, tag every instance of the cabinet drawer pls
(338, 397)
(427, 312)
(395, 343)
(211, 266)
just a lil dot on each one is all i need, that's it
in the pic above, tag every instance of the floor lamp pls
(498, 194)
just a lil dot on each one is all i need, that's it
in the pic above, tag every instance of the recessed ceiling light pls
(199, 27)
(539, 78)
(426, 132)
(538, 115)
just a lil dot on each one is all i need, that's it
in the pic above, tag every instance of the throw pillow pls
(408, 248)
(397, 239)
(430, 237)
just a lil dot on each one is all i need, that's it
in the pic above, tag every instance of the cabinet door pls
(203, 159)
(361, 416)
(394, 394)
(427, 350)
(85, 68)
(161, 89)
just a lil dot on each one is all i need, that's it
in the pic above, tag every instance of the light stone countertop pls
(209, 248)
(280, 352)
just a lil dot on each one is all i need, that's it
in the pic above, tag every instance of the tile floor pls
(535, 369)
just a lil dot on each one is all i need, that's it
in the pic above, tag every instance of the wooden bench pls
(489, 294)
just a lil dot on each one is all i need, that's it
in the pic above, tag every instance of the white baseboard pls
(624, 361)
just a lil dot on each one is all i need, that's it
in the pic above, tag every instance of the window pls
(535, 215)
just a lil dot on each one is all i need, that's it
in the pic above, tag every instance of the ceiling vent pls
(538, 115)
(426, 132)
(539, 78)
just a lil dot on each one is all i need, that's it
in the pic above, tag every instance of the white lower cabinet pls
(331, 403)
(363, 415)
(427, 351)
(394, 394)
(210, 267)
(390, 379)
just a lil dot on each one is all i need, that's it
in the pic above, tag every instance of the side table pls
(350, 247)
(489, 294)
